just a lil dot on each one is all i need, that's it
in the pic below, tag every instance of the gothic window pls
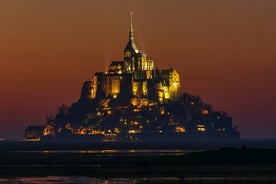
(127, 54)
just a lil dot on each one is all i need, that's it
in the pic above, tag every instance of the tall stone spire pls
(131, 36)
(131, 46)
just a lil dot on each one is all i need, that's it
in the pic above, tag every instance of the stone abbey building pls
(135, 101)
(135, 79)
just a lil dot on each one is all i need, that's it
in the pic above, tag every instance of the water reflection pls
(135, 180)
(67, 180)
(119, 151)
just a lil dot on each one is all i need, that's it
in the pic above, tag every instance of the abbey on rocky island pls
(136, 101)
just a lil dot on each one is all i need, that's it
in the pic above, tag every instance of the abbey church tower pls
(134, 80)
(135, 60)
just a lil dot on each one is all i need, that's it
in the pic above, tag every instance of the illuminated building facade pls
(135, 79)
(135, 101)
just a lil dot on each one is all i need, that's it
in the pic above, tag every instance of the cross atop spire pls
(131, 36)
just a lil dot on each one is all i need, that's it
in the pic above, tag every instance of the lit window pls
(205, 112)
(180, 129)
(201, 128)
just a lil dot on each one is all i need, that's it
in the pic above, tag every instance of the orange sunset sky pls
(224, 50)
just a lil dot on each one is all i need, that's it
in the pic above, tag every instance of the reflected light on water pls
(67, 180)
(117, 151)
(135, 180)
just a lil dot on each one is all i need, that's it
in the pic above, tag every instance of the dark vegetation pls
(83, 110)
(187, 112)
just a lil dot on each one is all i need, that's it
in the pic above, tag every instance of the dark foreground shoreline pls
(245, 162)
(242, 161)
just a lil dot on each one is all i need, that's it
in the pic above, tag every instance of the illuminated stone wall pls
(174, 85)
(157, 85)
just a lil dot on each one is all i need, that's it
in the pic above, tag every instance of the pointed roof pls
(131, 44)
(131, 36)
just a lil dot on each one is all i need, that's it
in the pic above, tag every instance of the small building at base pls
(34, 132)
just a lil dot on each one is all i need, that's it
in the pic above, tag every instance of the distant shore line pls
(197, 145)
